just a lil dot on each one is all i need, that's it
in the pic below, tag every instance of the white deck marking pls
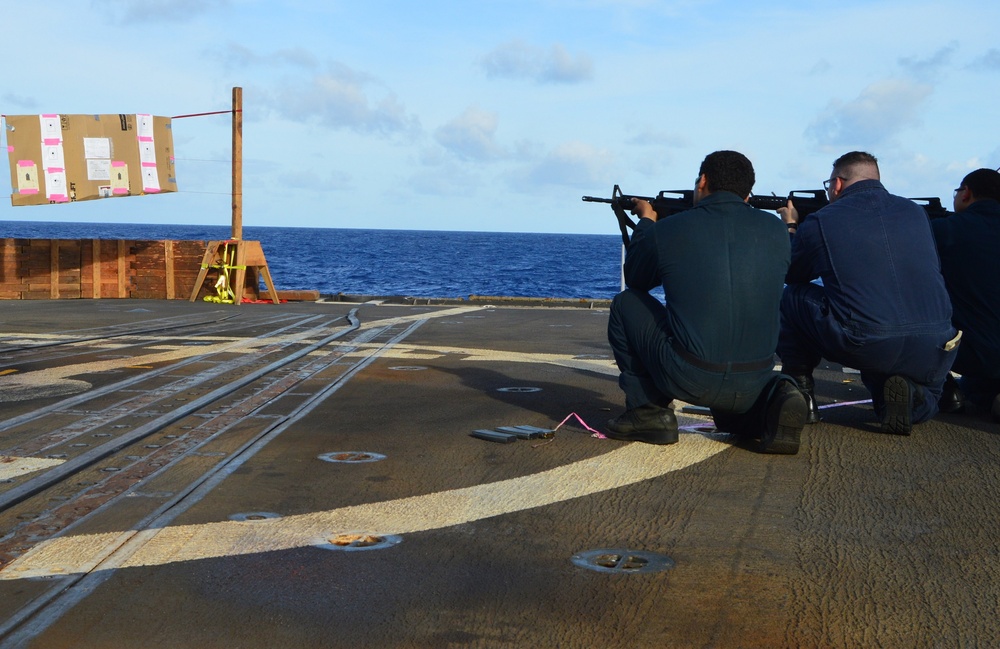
(619, 468)
(471, 354)
(55, 381)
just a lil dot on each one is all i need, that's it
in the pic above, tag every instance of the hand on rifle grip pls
(788, 213)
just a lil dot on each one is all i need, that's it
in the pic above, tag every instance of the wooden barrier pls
(53, 269)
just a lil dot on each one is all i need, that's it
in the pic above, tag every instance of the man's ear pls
(702, 184)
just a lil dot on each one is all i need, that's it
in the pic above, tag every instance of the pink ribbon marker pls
(597, 434)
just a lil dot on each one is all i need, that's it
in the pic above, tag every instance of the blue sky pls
(500, 115)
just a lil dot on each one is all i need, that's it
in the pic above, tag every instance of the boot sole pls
(658, 437)
(793, 414)
(896, 395)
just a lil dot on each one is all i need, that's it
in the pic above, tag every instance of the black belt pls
(762, 364)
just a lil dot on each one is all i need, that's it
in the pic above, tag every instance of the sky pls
(492, 115)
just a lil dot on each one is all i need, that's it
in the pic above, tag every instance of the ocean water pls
(410, 263)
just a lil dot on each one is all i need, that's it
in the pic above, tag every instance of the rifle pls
(669, 202)
(663, 203)
(933, 207)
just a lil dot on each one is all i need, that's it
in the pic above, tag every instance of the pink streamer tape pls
(597, 434)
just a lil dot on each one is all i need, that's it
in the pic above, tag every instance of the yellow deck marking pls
(5, 372)
(619, 468)
(12, 466)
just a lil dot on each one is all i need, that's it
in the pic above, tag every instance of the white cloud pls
(656, 137)
(26, 103)
(519, 60)
(156, 11)
(573, 164)
(471, 135)
(989, 61)
(339, 98)
(312, 181)
(928, 66)
(236, 56)
(881, 110)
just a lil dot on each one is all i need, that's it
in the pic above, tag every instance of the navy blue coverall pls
(721, 266)
(882, 307)
(969, 245)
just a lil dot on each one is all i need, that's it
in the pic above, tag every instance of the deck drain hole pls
(623, 561)
(351, 457)
(408, 368)
(253, 516)
(359, 541)
(522, 389)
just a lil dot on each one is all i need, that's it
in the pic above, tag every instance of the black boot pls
(650, 423)
(808, 388)
(787, 412)
(897, 399)
(952, 398)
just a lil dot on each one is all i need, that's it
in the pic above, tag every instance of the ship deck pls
(178, 474)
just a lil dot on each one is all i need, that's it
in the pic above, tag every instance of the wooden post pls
(248, 255)
(237, 163)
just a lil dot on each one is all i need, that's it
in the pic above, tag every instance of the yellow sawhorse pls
(233, 258)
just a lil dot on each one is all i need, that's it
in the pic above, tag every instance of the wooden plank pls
(95, 268)
(121, 254)
(54, 269)
(291, 296)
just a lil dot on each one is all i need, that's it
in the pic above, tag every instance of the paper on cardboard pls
(63, 158)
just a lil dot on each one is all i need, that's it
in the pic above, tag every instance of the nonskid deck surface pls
(304, 475)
